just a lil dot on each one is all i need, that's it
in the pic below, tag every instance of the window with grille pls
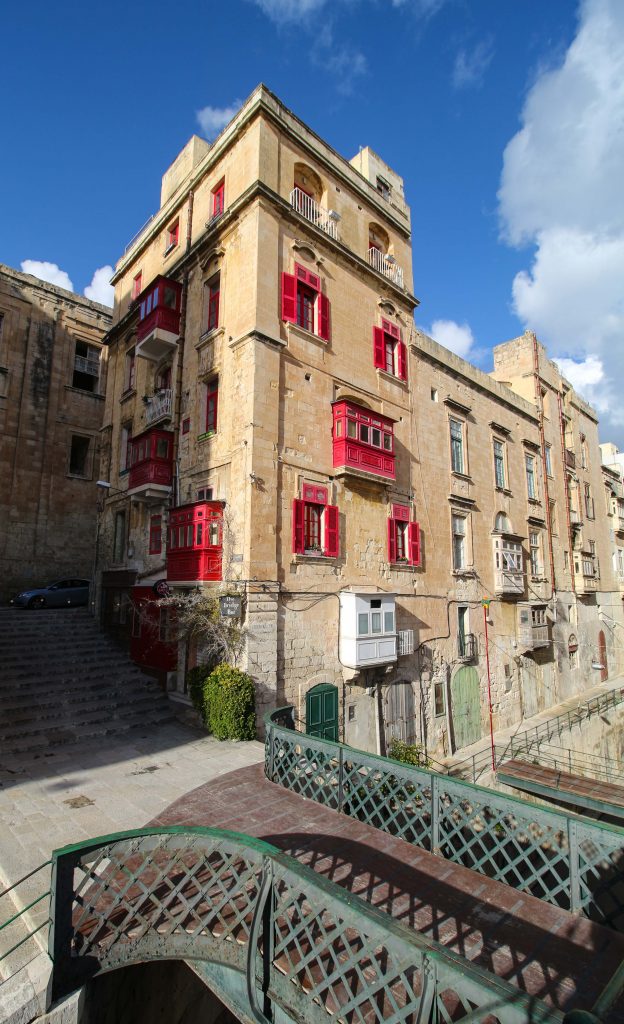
(405, 642)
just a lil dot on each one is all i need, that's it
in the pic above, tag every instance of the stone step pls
(63, 708)
(31, 743)
(71, 676)
(22, 667)
(76, 689)
(96, 723)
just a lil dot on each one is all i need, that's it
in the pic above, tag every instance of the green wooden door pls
(322, 711)
(466, 707)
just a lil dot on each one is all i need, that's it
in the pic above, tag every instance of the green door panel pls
(466, 706)
(322, 711)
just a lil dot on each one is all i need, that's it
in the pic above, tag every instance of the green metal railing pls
(480, 764)
(22, 917)
(302, 942)
(595, 766)
(561, 858)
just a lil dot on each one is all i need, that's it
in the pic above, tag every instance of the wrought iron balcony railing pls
(158, 405)
(84, 364)
(386, 265)
(467, 649)
(317, 215)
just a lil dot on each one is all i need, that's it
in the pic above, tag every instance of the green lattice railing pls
(303, 943)
(561, 858)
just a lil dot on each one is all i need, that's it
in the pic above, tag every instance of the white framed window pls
(548, 459)
(531, 479)
(535, 552)
(459, 529)
(499, 463)
(458, 460)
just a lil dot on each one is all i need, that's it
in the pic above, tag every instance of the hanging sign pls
(230, 606)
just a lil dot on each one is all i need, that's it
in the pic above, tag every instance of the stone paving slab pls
(112, 784)
(549, 953)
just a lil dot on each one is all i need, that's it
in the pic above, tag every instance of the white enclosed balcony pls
(158, 406)
(88, 364)
(508, 565)
(368, 634)
(326, 220)
(385, 265)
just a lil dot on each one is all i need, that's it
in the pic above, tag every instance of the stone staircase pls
(63, 681)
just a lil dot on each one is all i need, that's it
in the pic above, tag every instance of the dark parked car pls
(56, 595)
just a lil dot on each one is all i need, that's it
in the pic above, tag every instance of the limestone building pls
(276, 426)
(52, 384)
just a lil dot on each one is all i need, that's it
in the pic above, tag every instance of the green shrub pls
(196, 679)
(230, 709)
(408, 753)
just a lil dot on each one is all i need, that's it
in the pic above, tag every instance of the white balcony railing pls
(158, 405)
(84, 364)
(326, 220)
(386, 265)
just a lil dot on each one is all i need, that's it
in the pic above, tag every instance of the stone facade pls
(52, 384)
(465, 462)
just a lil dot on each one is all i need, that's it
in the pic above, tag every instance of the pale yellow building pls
(52, 384)
(274, 421)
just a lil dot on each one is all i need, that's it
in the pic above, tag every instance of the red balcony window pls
(363, 441)
(159, 308)
(150, 459)
(218, 199)
(195, 550)
(403, 537)
(389, 350)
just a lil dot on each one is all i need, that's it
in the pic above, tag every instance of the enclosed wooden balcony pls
(151, 464)
(158, 330)
(363, 442)
(195, 547)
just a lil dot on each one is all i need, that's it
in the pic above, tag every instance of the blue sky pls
(505, 118)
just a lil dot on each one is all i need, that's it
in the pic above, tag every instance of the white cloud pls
(470, 65)
(49, 272)
(561, 191)
(283, 11)
(456, 337)
(100, 289)
(212, 119)
(343, 60)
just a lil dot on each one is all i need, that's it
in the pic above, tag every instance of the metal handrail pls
(557, 856)
(23, 911)
(310, 947)
(482, 761)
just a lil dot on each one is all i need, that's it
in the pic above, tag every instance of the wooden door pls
(466, 707)
(400, 713)
(322, 711)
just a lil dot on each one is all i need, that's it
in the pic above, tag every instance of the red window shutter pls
(402, 361)
(312, 280)
(289, 298)
(413, 539)
(379, 355)
(324, 322)
(332, 531)
(298, 527)
(401, 512)
(391, 540)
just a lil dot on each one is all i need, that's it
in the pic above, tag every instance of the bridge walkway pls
(549, 953)
(565, 787)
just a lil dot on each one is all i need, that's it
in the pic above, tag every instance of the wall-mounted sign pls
(230, 606)
(161, 588)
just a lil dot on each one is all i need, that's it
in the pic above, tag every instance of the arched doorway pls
(602, 656)
(466, 706)
(322, 711)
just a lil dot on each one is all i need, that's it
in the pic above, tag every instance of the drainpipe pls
(567, 492)
(540, 410)
(177, 409)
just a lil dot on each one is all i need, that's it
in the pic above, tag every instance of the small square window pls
(173, 234)
(137, 284)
